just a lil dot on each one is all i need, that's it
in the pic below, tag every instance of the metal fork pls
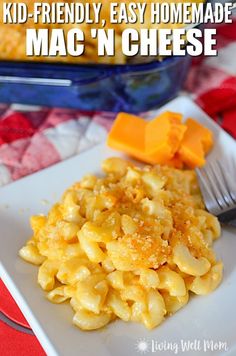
(218, 190)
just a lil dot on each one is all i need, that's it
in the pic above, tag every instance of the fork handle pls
(233, 223)
(228, 217)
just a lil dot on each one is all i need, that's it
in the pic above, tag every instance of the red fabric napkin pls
(212, 80)
(9, 307)
(15, 127)
(13, 342)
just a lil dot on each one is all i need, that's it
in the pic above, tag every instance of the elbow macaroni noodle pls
(131, 245)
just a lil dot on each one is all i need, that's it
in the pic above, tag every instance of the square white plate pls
(204, 319)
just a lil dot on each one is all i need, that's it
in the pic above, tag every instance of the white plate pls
(204, 319)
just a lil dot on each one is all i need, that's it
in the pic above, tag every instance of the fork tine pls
(213, 185)
(209, 198)
(218, 188)
(219, 180)
(227, 185)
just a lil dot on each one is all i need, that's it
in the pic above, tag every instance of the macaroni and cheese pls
(132, 245)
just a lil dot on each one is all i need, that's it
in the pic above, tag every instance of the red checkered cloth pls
(32, 138)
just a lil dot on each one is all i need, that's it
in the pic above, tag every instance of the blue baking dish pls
(131, 88)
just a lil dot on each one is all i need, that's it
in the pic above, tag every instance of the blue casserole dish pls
(131, 88)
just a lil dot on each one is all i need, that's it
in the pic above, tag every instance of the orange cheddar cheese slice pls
(196, 143)
(175, 162)
(164, 140)
(163, 136)
(127, 135)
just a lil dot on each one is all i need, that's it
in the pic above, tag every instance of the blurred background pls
(88, 82)
(50, 111)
